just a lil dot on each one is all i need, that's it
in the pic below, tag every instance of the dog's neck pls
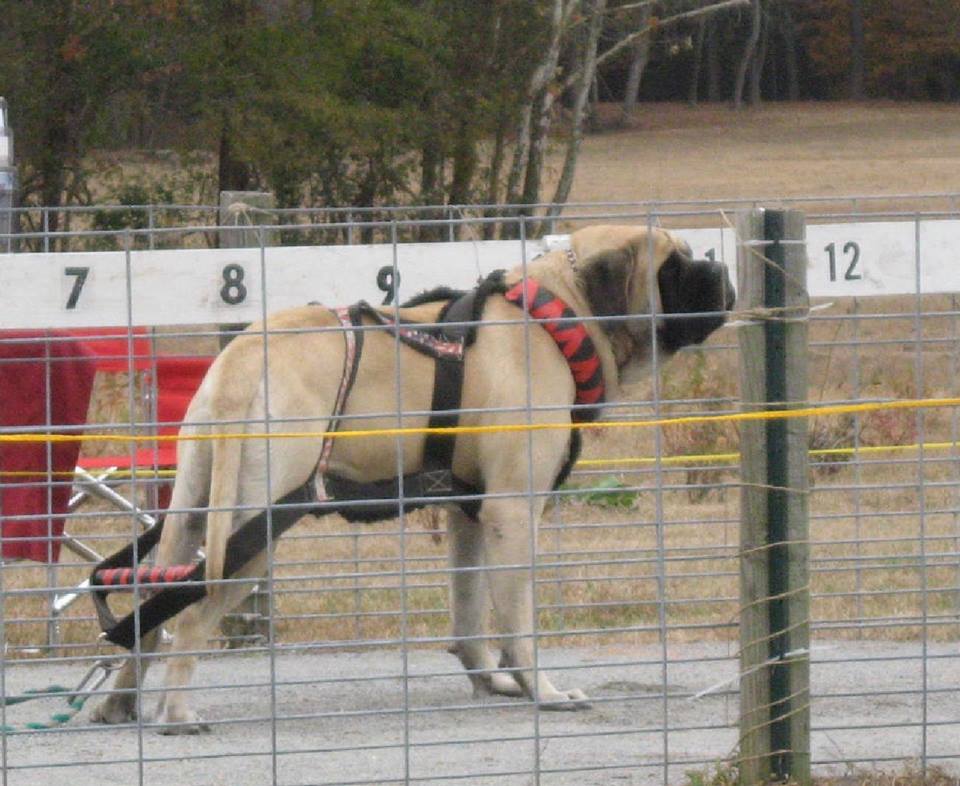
(557, 270)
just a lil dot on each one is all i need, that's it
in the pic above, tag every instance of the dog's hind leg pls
(468, 603)
(289, 466)
(191, 631)
(509, 557)
(182, 536)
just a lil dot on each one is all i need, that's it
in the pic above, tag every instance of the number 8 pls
(233, 291)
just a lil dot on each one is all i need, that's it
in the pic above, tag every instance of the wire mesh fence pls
(337, 670)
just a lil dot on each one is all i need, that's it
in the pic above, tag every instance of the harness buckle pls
(435, 482)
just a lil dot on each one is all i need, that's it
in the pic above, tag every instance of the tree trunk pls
(713, 60)
(366, 196)
(232, 173)
(493, 177)
(464, 168)
(587, 75)
(492, 194)
(431, 183)
(536, 90)
(53, 171)
(431, 166)
(538, 143)
(640, 55)
(857, 56)
(748, 53)
(790, 53)
(758, 60)
(693, 92)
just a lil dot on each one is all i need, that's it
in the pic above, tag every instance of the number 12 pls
(850, 247)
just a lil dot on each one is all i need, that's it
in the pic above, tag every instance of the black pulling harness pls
(326, 493)
(446, 344)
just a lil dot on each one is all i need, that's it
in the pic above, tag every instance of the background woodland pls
(374, 102)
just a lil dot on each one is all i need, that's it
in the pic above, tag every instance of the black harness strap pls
(446, 345)
(438, 449)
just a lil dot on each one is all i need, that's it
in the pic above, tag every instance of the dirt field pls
(676, 152)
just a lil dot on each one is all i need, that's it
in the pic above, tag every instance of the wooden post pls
(241, 212)
(774, 579)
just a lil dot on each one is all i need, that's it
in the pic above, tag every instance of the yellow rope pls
(736, 417)
(691, 458)
(687, 458)
(626, 461)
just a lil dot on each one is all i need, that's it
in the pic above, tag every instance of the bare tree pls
(759, 59)
(790, 52)
(748, 53)
(544, 88)
(709, 8)
(537, 98)
(693, 93)
(712, 43)
(639, 55)
(857, 58)
(588, 70)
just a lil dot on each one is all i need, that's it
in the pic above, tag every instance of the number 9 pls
(387, 283)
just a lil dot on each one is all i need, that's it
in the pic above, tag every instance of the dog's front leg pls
(507, 542)
(468, 605)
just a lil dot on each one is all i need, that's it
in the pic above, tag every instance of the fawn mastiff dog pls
(639, 292)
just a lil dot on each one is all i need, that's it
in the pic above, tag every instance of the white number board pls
(88, 289)
(226, 285)
(860, 260)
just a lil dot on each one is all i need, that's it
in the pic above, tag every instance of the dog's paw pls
(501, 684)
(565, 701)
(489, 684)
(184, 722)
(116, 708)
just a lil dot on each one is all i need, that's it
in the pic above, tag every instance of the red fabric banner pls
(45, 384)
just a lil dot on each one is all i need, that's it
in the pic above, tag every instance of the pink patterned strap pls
(326, 446)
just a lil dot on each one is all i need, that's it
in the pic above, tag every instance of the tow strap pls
(249, 539)
(75, 698)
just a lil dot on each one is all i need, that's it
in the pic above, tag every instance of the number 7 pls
(78, 282)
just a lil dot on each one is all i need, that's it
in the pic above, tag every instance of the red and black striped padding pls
(559, 320)
(124, 577)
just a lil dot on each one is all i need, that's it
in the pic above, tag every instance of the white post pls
(8, 181)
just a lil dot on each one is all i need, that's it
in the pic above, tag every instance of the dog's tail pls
(231, 400)
(224, 487)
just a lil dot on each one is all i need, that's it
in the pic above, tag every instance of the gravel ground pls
(341, 719)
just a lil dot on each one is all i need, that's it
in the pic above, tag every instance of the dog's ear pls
(607, 280)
